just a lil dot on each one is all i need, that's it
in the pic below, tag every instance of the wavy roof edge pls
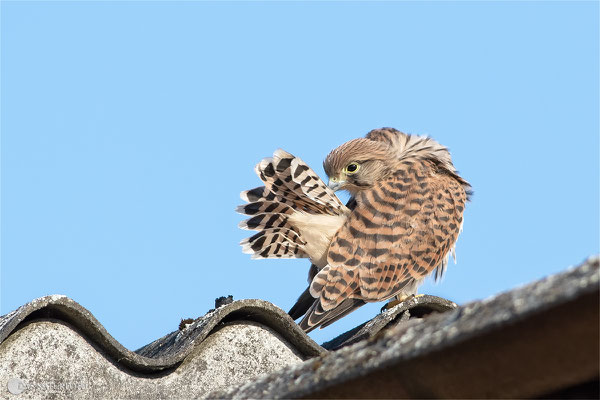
(170, 350)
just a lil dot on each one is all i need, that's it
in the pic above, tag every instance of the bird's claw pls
(393, 303)
(399, 299)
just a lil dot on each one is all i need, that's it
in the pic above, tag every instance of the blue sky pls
(129, 129)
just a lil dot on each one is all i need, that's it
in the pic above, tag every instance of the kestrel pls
(400, 225)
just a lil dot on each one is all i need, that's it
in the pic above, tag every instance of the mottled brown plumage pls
(400, 225)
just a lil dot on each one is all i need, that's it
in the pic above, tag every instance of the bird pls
(400, 225)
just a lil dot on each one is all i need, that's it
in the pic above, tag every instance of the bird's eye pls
(351, 168)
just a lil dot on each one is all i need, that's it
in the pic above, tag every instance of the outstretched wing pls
(399, 232)
(291, 186)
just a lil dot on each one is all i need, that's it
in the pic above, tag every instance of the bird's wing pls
(290, 186)
(400, 231)
(306, 301)
(403, 145)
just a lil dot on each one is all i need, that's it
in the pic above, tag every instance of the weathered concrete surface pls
(170, 350)
(48, 359)
(54, 348)
(534, 341)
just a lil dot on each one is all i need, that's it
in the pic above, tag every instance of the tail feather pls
(303, 304)
(316, 316)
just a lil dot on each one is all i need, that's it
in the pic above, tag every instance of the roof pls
(540, 340)
(535, 340)
(53, 341)
(413, 308)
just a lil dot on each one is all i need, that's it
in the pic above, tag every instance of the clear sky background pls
(129, 129)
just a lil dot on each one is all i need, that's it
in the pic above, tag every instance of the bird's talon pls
(389, 305)
(399, 299)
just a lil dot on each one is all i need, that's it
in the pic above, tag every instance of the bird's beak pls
(335, 183)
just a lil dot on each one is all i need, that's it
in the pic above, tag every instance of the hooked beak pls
(335, 183)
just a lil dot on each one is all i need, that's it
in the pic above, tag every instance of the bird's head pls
(358, 164)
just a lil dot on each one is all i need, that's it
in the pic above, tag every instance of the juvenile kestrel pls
(400, 225)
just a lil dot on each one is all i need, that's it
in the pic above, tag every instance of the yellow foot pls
(399, 299)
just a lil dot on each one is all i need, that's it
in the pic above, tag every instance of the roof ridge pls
(170, 350)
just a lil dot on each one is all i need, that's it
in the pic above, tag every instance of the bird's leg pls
(399, 299)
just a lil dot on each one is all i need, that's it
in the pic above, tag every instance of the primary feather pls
(295, 213)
